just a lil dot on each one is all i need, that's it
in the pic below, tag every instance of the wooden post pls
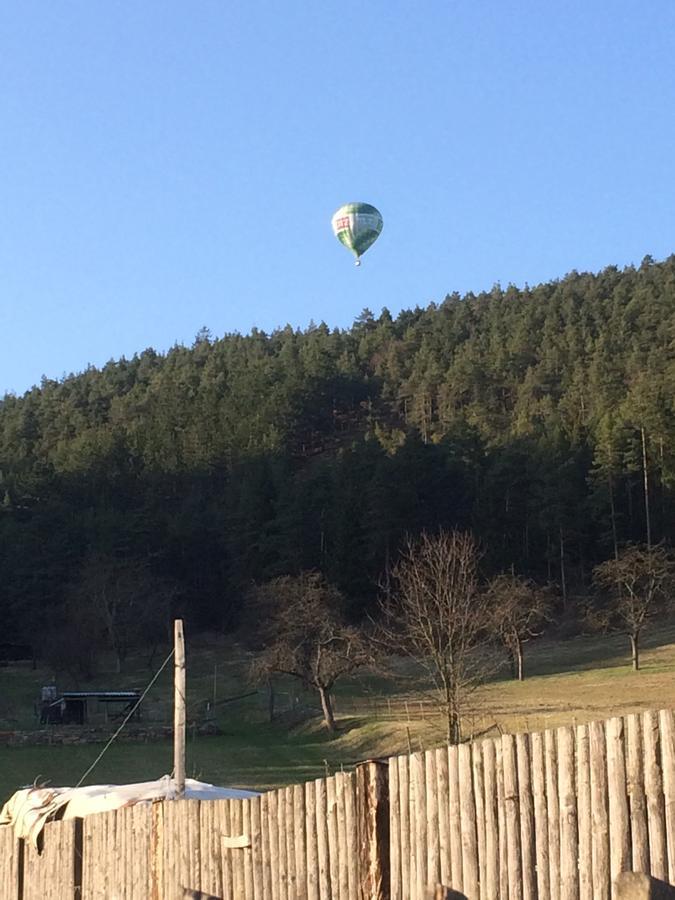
(552, 811)
(512, 816)
(584, 813)
(636, 794)
(394, 830)
(667, 723)
(431, 790)
(599, 814)
(656, 821)
(405, 806)
(418, 825)
(179, 709)
(569, 836)
(620, 857)
(540, 813)
(372, 786)
(455, 817)
(491, 821)
(526, 804)
(443, 812)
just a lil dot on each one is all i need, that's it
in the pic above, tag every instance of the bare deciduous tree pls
(299, 625)
(435, 612)
(638, 586)
(518, 610)
(125, 603)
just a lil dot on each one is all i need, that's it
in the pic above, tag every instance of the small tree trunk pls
(327, 707)
(519, 659)
(635, 650)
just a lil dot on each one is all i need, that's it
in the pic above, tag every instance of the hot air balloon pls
(357, 226)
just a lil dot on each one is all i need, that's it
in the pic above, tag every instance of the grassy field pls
(576, 680)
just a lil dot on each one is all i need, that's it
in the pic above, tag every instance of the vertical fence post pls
(179, 709)
(372, 787)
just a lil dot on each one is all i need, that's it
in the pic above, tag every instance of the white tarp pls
(30, 809)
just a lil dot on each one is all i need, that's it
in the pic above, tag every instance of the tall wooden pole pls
(179, 708)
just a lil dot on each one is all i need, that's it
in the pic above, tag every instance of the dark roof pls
(101, 695)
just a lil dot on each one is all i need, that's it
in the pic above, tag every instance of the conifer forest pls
(541, 419)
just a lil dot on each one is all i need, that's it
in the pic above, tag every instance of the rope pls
(128, 716)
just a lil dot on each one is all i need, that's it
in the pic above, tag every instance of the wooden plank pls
(667, 727)
(468, 823)
(282, 859)
(501, 821)
(211, 878)
(157, 851)
(140, 857)
(540, 813)
(552, 812)
(120, 850)
(190, 811)
(125, 840)
(311, 842)
(569, 835)
(50, 874)
(443, 790)
(637, 803)
(299, 842)
(225, 818)
(290, 843)
(404, 831)
(169, 881)
(584, 819)
(491, 885)
(352, 834)
(88, 856)
(656, 813)
(599, 811)
(619, 821)
(322, 836)
(112, 851)
(456, 873)
(257, 846)
(431, 792)
(265, 847)
(273, 845)
(526, 809)
(333, 835)
(479, 802)
(343, 841)
(246, 850)
(236, 854)
(418, 781)
(515, 864)
(394, 830)
(372, 793)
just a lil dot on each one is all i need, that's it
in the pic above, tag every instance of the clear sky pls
(170, 165)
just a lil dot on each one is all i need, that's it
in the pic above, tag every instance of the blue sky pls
(167, 165)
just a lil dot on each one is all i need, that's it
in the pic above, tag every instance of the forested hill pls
(534, 417)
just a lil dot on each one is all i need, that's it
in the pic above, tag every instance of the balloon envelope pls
(357, 226)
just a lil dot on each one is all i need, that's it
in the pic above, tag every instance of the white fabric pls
(30, 809)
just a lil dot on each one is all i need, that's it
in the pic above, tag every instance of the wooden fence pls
(317, 841)
(556, 814)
